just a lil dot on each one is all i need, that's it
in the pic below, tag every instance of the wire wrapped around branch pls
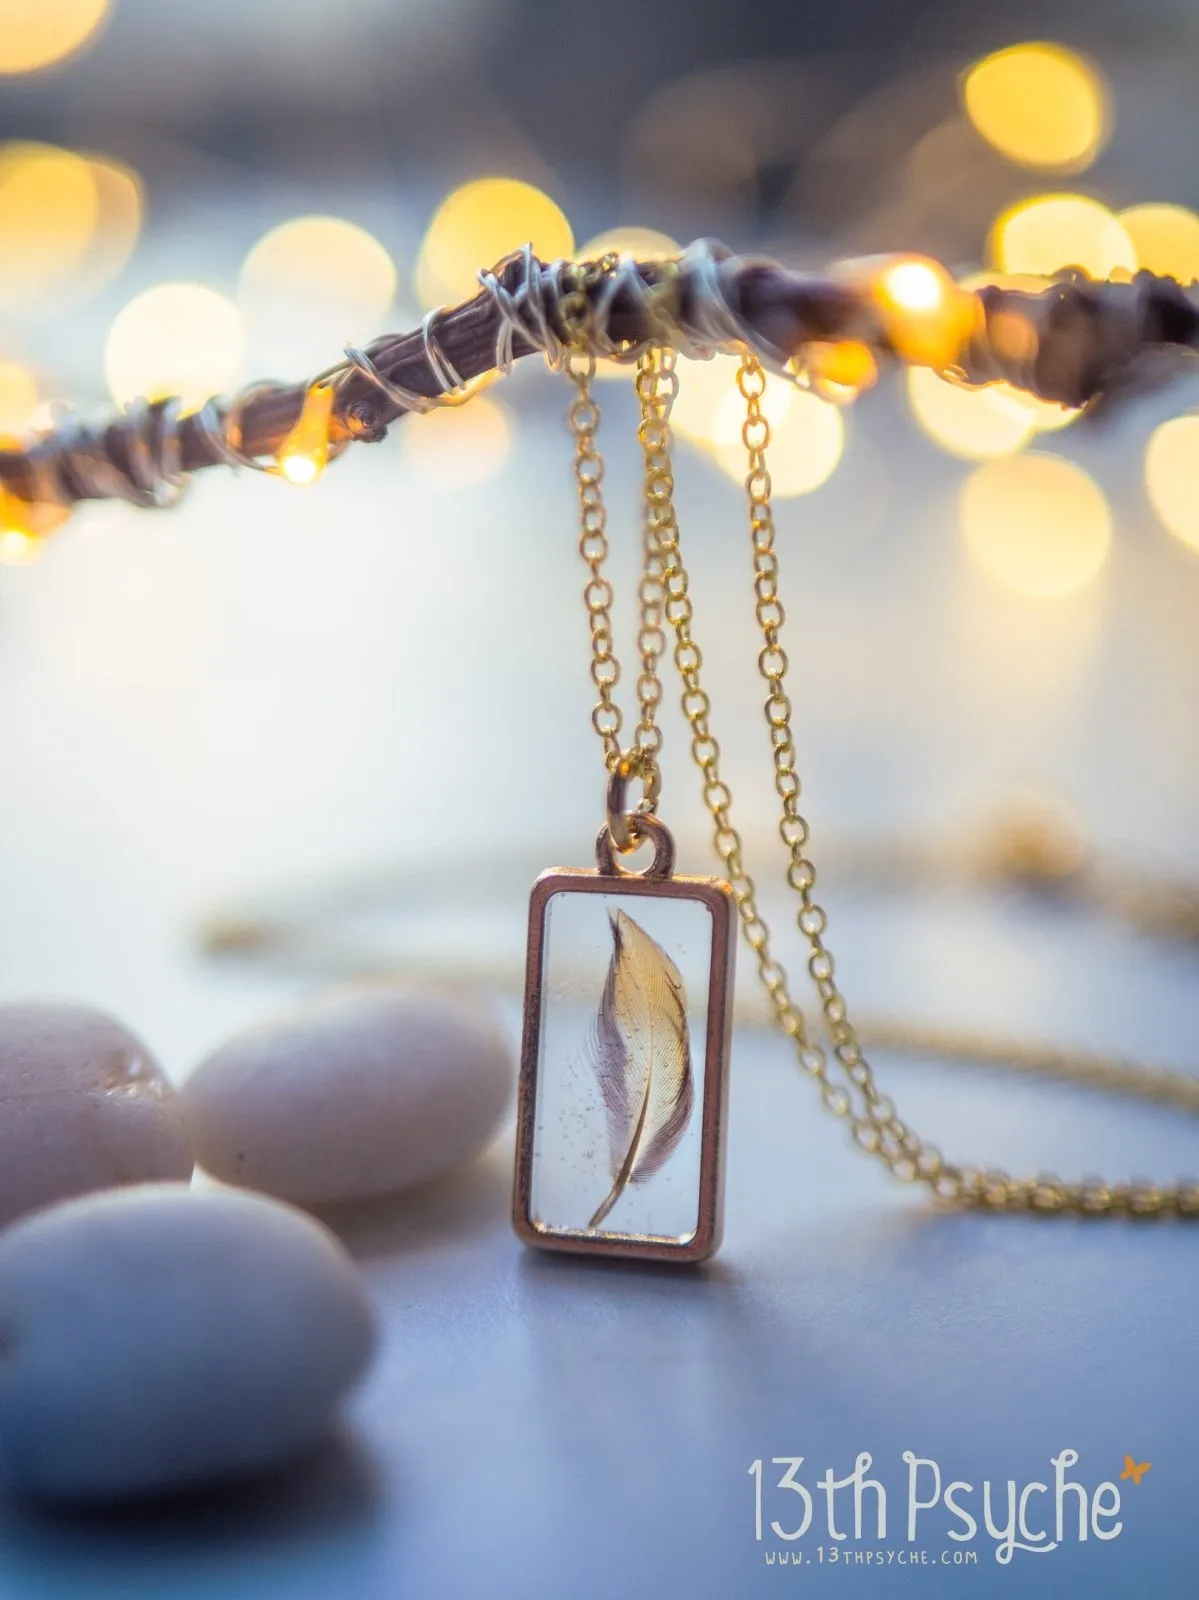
(1068, 342)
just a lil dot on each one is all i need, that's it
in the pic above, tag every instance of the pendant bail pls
(651, 828)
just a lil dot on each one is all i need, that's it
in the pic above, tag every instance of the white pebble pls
(161, 1338)
(365, 1094)
(83, 1106)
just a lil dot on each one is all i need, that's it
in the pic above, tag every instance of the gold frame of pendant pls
(718, 898)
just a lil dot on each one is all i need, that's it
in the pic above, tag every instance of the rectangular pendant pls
(623, 1082)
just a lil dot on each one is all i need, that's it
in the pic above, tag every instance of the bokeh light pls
(1166, 239)
(118, 224)
(974, 424)
(180, 339)
(807, 439)
(1040, 105)
(1035, 524)
(478, 224)
(324, 259)
(49, 210)
(1053, 231)
(18, 397)
(1050, 232)
(310, 286)
(1172, 477)
(643, 244)
(1047, 415)
(455, 446)
(37, 33)
(704, 389)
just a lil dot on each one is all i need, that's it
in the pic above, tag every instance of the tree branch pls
(1069, 342)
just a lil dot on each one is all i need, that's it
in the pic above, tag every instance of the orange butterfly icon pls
(1133, 1471)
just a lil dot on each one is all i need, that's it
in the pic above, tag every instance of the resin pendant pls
(623, 1083)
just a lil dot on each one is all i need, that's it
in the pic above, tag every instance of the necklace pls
(639, 1064)
(649, 1144)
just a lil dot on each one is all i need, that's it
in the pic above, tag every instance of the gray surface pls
(542, 1426)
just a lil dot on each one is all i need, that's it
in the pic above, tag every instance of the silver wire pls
(77, 452)
(714, 326)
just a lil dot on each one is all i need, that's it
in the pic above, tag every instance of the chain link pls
(845, 1078)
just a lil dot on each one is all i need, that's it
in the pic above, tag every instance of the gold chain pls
(846, 1080)
(584, 420)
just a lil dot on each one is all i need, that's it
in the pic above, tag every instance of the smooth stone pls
(83, 1106)
(162, 1338)
(365, 1094)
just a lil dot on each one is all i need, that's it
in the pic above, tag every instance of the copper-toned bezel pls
(718, 898)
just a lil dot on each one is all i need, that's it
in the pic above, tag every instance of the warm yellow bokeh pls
(1047, 415)
(455, 446)
(972, 423)
(1166, 238)
(37, 33)
(1053, 231)
(478, 224)
(18, 397)
(180, 339)
(118, 225)
(49, 210)
(1035, 524)
(1039, 105)
(321, 259)
(643, 244)
(704, 389)
(807, 439)
(1172, 476)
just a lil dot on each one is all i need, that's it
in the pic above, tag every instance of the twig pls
(1069, 342)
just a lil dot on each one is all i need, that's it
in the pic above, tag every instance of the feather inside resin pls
(641, 1052)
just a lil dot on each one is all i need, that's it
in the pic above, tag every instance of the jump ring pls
(650, 828)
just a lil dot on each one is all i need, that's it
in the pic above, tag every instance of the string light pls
(840, 372)
(927, 316)
(305, 452)
(19, 544)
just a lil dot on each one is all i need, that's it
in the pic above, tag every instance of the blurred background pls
(991, 602)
